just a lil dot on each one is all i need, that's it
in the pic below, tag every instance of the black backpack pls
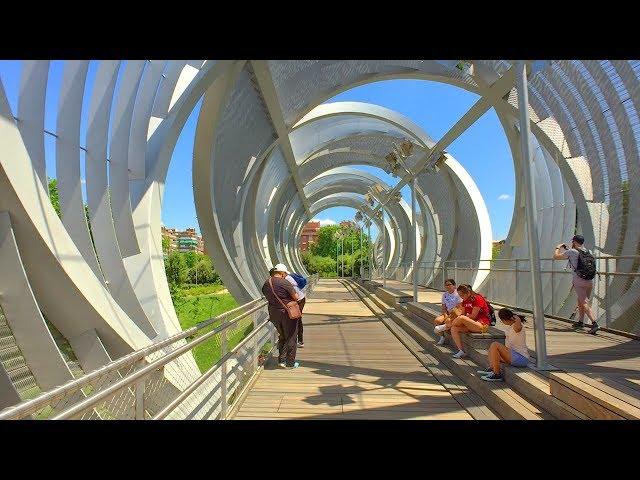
(586, 267)
(492, 314)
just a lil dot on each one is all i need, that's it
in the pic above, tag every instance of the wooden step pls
(499, 397)
(466, 397)
(594, 399)
(392, 296)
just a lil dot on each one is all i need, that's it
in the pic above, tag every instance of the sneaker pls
(492, 377)
(439, 329)
(282, 365)
(442, 340)
(578, 325)
(460, 354)
(300, 344)
(488, 371)
(594, 328)
(295, 365)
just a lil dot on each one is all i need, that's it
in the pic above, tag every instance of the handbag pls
(292, 308)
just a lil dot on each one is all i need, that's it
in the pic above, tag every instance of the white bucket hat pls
(280, 268)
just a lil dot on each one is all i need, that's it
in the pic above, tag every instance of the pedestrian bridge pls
(87, 324)
(363, 358)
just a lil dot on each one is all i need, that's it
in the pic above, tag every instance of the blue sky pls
(483, 149)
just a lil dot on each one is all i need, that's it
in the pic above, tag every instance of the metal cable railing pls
(509, 283)
(163, 380)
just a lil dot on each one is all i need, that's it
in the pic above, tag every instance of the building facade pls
(309, 235)
(183, 240)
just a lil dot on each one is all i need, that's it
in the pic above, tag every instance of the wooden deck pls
(352, 367)
(610, 359)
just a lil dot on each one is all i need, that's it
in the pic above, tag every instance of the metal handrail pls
(61, 391)
(613, 278)
(28, 407)
(93, 400)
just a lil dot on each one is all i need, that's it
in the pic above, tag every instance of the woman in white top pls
(513, 352)
(450, 300)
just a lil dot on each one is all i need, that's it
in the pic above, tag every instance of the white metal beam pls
(498, 90)
(270, 96)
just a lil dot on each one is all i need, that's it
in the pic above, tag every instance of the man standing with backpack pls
(583, 264)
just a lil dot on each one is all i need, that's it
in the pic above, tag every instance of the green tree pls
(325, 266)
(321, 257)
(325, 245)
(166, 243)
(55, 201)
(176, 269)
(53, 195)
(203, 272)
(191, 258)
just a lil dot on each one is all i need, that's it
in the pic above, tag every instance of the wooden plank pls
(591, 409)
(593, 395)
(352, 366)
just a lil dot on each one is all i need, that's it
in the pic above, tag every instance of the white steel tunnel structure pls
(268, 156)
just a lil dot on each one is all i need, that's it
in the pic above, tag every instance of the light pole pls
(358, 219)
(396, 160)
(336, 237)
(342, 252)
(370, 249)
(352, 259)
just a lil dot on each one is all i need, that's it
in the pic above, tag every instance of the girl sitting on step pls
(475, 319)
(513, 352)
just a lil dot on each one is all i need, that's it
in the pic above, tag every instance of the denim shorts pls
(518, 360)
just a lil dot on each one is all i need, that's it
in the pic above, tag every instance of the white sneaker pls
(282, 365)
(439, 329)
(442, 340)
(460, 354)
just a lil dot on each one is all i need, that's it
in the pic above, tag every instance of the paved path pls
(352, 367)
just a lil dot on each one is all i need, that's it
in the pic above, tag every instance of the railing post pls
(140, 387)
(414, 242)
(256, 343)
(553, 296)
(223, 375)
(455, 271)
(528, 169)
(516, 282)
(607, 311)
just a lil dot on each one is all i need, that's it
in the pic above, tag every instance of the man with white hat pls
(279, 291)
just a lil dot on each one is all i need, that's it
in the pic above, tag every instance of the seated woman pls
(514, 351)
(476, 316)
(450, 300)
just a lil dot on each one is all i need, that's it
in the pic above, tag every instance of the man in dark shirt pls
(287, 328)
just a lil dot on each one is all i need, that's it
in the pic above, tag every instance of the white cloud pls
(504, 196)
(324, 222)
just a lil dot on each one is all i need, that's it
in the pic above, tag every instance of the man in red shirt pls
(475, 318)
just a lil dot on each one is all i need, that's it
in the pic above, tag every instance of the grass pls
(197, 290)
(195, 308)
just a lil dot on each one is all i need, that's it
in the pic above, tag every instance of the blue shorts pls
(518, 360)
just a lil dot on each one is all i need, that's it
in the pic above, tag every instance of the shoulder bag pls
(292, 308)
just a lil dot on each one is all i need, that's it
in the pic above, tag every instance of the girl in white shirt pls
(513, 352)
